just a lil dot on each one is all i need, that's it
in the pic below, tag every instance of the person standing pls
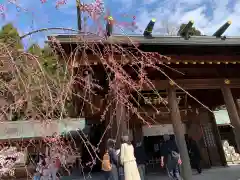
(54, 166)
(170, 158)
(195, 155)
(110, 162)
(40, 166)
(141, 159)
(128, 160)
(45, 170)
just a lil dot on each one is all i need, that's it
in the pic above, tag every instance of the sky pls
(208, 15)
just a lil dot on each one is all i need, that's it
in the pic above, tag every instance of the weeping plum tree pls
(34, 85)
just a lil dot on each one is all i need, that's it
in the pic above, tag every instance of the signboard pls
(221, 117)
(159, 130)
(29, 129)
(156, 100)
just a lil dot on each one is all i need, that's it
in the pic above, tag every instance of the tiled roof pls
(139, 39)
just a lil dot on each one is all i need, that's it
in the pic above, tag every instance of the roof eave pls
(157, 40)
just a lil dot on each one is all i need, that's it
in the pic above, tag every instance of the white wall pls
(221, 117)
(28, 129)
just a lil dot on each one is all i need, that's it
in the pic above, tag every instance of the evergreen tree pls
(35, 49)
(34, 83)
(10, 36)
(193, 31)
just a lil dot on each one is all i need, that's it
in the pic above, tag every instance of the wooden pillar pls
(116, 119)
(179, 133)
(237, 106)
(138, 134)
(218, 139)
(120, 123)
(232, 112)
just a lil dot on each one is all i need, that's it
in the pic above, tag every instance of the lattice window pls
(209, 139)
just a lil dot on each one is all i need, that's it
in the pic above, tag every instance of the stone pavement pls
(221, 173)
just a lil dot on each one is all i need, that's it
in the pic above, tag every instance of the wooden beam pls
(204, 58)
(193, 84)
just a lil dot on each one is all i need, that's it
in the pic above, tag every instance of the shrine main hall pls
(209, 79)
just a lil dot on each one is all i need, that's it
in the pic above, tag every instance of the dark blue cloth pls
(121, 173)
(113, 174)
(194, 152)
(166, 151)
(107, 175)
(195, 155)
(174, 173)
(37, 177)
(140, 155)
(113, 156)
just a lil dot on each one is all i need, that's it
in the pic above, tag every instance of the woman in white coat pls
(128, 160)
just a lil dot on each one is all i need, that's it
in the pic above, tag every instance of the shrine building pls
(209, 72)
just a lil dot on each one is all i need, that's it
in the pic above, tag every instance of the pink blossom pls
(43, 1)
(60, 3)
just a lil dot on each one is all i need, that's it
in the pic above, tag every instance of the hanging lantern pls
(227, 81)
(155, 101)
(197, 112)
(171, 83)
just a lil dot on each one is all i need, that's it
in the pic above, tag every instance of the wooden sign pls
(158, 100)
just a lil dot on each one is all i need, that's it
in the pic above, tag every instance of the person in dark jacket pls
(113, 174)
(195, 155)
(170, 158)
(141, 159)
(120, 167)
